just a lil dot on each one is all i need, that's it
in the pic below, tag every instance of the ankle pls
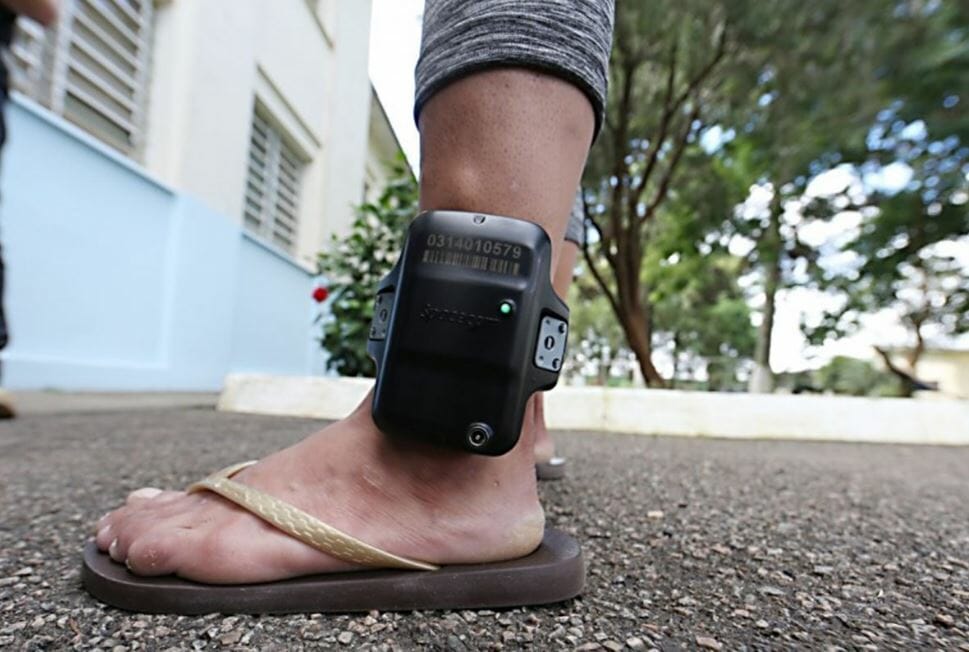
(430, 464)
(493, 500)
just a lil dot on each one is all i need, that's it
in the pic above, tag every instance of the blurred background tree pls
(818, 91)
(901, 256)
(844, 375)
(354, 265)
(702, 197)
(692, 75)
(597, 349)
(700, 314)
(715, 103)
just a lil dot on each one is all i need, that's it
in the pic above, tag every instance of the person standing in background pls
(45, 13)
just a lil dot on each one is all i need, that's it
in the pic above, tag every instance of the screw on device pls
(479, 434)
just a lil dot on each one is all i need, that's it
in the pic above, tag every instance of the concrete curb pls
(54, 402)
(654, 412)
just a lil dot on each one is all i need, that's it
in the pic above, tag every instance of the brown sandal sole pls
(553, 573)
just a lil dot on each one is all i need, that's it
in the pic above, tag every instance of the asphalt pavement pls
(690, 543)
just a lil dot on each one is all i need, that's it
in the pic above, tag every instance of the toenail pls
(113, 550)
(103, 532)
(145, 492)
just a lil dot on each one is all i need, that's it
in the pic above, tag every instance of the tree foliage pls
(908, 252)
(703, 314)
(664, 74)
(926, 59)
(817, 94)
(790, 80)
(854, 377)
(699, 310)
(596, 341)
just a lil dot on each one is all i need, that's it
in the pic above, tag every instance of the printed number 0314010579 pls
(477, 245)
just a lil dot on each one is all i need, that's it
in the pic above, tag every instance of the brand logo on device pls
(459, 317)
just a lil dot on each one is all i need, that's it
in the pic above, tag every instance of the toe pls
(126, 526)
(102, 523)
(136, 533)
(154, 553)
(114, 552)
(104, 537)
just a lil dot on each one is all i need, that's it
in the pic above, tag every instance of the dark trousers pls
(4, 335)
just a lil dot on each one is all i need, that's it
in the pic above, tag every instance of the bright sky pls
(395, 39)
(395, 35)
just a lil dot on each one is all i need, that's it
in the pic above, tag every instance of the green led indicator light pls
(506, 307)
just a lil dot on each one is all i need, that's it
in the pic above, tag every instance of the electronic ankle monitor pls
(466, 328)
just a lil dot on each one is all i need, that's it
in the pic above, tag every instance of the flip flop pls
(554, 469)
(554, 572)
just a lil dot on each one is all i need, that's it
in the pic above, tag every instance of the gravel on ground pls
(691, 544)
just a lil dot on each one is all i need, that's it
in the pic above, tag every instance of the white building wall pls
(349, 116)
(214, 59)
(382, 150)
(949, 368)
(138, 272)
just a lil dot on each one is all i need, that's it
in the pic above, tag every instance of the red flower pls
(320, 294)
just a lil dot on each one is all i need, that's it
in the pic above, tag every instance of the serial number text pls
(476, 245)
(481, 254)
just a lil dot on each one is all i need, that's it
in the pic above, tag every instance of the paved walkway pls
(690, 543)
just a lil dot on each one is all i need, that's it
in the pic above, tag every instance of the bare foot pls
(425, 503)
(544, 446)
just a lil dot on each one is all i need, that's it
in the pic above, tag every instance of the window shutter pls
(271, 203)
(91, 67)
(26, 57)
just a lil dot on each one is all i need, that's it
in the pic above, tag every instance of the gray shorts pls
(575, 231)
(567, 38)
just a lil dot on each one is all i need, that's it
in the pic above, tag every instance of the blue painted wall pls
(115, 282)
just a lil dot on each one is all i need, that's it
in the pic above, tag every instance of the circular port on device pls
(479, 434)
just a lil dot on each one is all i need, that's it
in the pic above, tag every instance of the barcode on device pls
(474, 261)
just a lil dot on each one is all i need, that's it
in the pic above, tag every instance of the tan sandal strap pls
(300, 525)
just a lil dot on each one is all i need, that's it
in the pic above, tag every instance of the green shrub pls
(844, 375)
(355, 264)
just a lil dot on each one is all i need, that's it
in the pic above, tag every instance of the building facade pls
(947, 368)
(172, 170)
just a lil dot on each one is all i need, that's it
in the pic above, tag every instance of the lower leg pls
(561, 280)
(509, 142)
(6, 404)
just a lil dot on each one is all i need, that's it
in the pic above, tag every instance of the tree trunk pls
(915, 354)
(908, 382)
(916, 320)
(637, 334)
(676, 360)
(762, 380)
(605, 363)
